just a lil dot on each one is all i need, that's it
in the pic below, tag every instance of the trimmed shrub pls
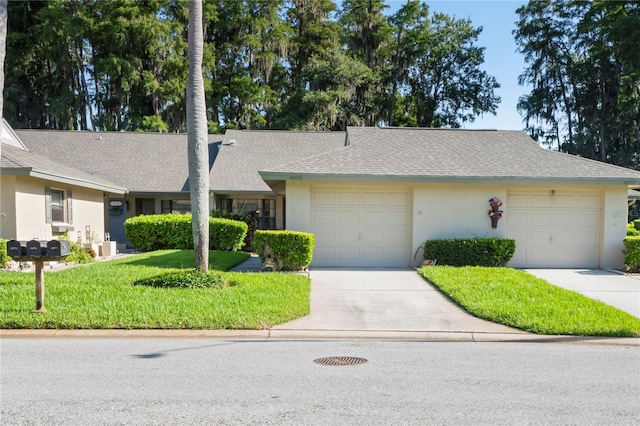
(173, 231)
(3, 252)
(470, 251)
(632, 231)
(632, 254)
(186, 279)
(290, 250)
(226, 234)
(79, 254)
(250, 220)
(636, 224)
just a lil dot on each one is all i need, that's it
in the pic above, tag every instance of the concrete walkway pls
(615, 289)
(388, 300)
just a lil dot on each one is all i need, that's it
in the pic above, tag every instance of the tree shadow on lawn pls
(183, 259)
(180, 259)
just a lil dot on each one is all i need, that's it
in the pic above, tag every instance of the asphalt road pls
(208, 381)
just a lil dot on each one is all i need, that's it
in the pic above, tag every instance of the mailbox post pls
(38, 252)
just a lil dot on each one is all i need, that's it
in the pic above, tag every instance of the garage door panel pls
(566, 219)
(518, 201)
(324, 255)
(373, 199)
(588, 202)
(372, 238)
(539, 201)
(398, 199)
(539, 219)
(323, 216)
(373, 217)
(348, 254)
(586, 220)
(395, 217)
(564, 201)
(324, 236)
(347, 237)
(538, 236)
(397, 255)
(554, 230)
(324, 198)
(348, 217)
(367, 227)
(347, 198)
(373, 254)
(517, 218)
(395, 237)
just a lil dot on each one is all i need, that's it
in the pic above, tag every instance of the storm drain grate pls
(340, 360)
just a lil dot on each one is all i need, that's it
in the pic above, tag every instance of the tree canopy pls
(583, 65)
(267, 64)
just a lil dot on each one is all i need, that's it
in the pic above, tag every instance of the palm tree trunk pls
(197, 139)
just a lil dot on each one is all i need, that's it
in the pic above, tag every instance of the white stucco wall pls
(88, 210)
(7, 207)
(454, 211)
(614, 227)
(298, 209)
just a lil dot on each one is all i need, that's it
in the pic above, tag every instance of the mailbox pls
(16, 248)
(36, 248)
(58, 248)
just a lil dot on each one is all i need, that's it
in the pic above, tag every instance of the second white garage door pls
(554, 229)
(363, 227)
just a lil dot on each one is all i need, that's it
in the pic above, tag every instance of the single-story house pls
(41, 198)
(371, 196)
(374, 201)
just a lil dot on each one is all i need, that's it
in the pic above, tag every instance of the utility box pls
(58, 248)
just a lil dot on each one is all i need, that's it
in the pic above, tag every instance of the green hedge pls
(632, 231)
(250, 220)
(3, 252)
(470, 251)
(173, 231)
(636, 224)
(290, 250)
(632, 254)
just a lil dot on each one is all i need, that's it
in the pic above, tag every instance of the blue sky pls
(497, 18)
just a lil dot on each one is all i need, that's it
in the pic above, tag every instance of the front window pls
(263, 210)
(176, 206)
(57, 205)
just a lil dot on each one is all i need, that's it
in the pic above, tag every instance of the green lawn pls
(102, 295)
(518, 299)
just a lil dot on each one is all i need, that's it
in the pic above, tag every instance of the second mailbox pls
(36, 248)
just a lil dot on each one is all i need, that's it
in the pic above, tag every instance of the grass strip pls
(518, 299)
(102, 296)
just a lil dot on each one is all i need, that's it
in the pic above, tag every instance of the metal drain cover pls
(340, 360)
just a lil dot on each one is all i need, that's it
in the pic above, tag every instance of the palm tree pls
(197, 140)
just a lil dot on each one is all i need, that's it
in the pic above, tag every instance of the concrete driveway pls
(620, 291)
(384, 300)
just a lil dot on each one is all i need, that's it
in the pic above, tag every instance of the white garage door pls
(554, 229)
(362, 227)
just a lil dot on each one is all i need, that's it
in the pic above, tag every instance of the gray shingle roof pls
(19, 162)
(236, 166)
(443, 154)
(140, 162)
